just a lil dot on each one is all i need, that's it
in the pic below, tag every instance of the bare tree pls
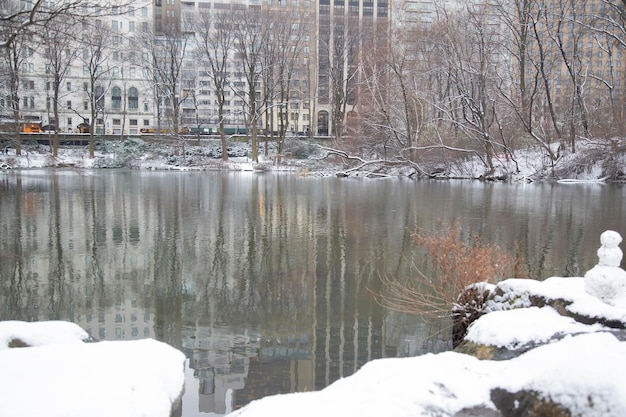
(166, 52)
(470, 53)
(215, 44)
(32, 16)
(250, 36)
(60, 50)
(95, 57)
(14, 55)
(342, 44)
(38, 17)
(282, 68)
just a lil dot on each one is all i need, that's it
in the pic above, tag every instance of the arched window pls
(116, 98)
(133, 98)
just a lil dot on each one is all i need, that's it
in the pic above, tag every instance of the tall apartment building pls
(98, 59)
(326, 36)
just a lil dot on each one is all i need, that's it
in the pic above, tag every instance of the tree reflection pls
(262, 280)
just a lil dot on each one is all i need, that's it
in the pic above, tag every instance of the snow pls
(510, 329)
(571, 371)
(41, 333)
(591, 164)
(61, 376)
(582, 370)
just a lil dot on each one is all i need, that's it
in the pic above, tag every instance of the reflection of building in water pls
(284, 365)
(221, 360)
(124, 321)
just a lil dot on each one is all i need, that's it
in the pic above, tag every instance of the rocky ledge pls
(522, 317)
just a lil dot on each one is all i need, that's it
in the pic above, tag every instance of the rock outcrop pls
(560, 309)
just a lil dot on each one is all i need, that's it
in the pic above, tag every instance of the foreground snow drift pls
(577, 366)
(61, 376)
(580, 372)
(573, 364)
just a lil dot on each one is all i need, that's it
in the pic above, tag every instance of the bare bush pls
(455, 265)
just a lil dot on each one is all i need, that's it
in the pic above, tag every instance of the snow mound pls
(63, 377)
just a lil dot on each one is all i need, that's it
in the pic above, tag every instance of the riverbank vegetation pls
(445, 284)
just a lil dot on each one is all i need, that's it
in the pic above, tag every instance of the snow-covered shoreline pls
(575, 365)
(594, 162)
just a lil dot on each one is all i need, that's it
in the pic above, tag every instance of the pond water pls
(264, 281)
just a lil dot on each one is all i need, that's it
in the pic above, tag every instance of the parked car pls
(48, 128)
(83, 128)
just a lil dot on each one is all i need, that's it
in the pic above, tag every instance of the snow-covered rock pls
(46, 369)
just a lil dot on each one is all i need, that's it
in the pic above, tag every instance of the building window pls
(69, 104)
(99, 97)
(69, 122)
(69, 86)
(116, 98)
(133, 98)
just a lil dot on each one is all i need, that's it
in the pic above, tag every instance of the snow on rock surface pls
(60, 376)
(40, 333)
(573, 364)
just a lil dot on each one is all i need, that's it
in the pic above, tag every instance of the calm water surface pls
(263, 280)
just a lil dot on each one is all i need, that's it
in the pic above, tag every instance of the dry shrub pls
(455, 265)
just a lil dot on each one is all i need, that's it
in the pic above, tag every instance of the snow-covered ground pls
(582, 371)
(596, 161)
(61, 376)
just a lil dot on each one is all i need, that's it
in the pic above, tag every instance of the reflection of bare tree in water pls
(56, 280)
(168, 285)
(96, 288)
(12, 263)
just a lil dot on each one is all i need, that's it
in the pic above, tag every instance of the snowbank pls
(573, 366)
(62, 376)
(580, 370)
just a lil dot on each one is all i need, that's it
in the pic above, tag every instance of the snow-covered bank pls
(599, 161)
(546, 349)
(580, 372)
(60, 375)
